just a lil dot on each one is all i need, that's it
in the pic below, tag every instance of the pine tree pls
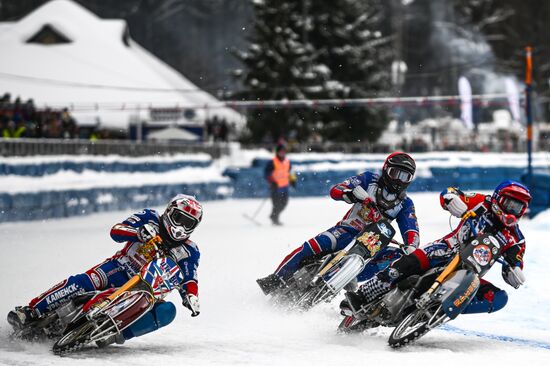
(310, 50)
(278, 66)
(347, 37)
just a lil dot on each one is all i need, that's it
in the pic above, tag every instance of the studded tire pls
(350, 325)
(74, 340)
(414, 326)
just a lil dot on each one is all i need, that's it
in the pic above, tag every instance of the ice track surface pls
(237, 326)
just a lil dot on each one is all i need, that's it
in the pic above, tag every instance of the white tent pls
(172, 133)
(96, 68)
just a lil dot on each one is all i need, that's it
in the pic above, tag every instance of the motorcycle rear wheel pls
(350, 325)
(313, 296)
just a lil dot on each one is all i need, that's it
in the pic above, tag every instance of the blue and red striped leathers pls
(118, 269)
(438, 253)
(340, 235)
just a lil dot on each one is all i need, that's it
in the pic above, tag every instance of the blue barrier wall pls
(249, 182)
(55, 204)
(40, 169)
(245, 182)
(540, 190)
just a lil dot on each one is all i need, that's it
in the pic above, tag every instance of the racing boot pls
(370, 290)
(270, 283)
(21, 316)
(115, 338)
(354, 303)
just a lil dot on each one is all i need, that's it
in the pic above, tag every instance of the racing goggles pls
(184, 220)
(400, 175)
(512, 206)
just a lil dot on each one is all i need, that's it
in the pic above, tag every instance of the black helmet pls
(397, 172)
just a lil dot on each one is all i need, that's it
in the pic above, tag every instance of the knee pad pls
(405, 266)
(165, 313)
(326, 240)
(487, 304)
(98, 278)
(159, 316)
(500, 300)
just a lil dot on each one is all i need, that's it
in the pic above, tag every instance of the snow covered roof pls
(101, 65)
(172, 133)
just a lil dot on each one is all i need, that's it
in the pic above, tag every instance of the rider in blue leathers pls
(387, 192)
(174, 226)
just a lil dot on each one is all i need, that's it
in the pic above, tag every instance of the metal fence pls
(29, 147)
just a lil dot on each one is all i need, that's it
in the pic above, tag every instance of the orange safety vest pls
(281, 172)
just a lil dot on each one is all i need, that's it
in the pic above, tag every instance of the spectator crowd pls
(20, 119)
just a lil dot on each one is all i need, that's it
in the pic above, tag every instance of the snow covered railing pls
(46, 165)
(44, 146)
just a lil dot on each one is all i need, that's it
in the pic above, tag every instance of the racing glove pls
(454, 204)
(147, 232)
(192, 303)
(513, 275)
(357, 194)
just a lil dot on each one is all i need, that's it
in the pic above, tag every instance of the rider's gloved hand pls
(147, 232)
(454, 204)
(192, 303)
(348, 196)
(513, 275)
(357, 194)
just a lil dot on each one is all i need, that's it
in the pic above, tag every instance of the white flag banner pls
(466, 112)
(512, 94)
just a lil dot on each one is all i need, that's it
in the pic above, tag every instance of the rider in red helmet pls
(497, 214)
(180, 218)
(509, 202)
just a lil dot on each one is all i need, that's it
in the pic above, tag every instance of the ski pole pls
(260, 207)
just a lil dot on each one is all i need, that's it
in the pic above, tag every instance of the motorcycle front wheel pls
(74, 339)
(415, 325)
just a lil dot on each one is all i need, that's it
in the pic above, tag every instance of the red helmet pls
(397, 172)
(510, 201)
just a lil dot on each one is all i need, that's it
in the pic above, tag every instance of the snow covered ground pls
(237, 326)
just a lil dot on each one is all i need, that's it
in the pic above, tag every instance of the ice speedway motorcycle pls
(419, 304)
(320, 279)
(98, 315)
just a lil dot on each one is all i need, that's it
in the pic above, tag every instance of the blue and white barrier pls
(51, 187)
(45, 165)
(248, 182)
(54, 204)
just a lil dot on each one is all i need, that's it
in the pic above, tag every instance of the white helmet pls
(182, 216)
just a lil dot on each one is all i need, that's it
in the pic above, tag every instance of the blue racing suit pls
(118, 269)
(339, 236)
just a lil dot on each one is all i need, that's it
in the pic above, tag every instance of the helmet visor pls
(180, 218)
(513, 206)
(400, 175)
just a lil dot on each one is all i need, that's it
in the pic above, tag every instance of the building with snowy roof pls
(63, 55)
